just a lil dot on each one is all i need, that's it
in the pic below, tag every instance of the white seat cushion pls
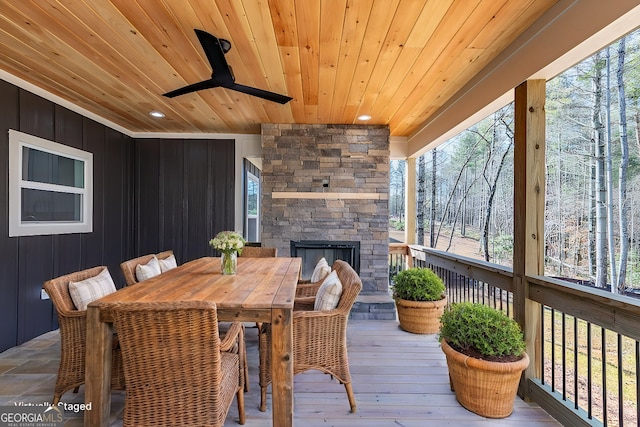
(320, 271)
(168, 263)
(148, 270)
(91, 289)
(329, 293)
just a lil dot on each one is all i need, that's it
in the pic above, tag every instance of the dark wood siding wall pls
(8, 247)
(185, 195)
(149, 195)
(28, 261)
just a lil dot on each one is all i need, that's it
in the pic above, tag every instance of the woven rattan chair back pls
(319, 338)
(129, 267)
(258, 252)
(176, 373)
(73, 332)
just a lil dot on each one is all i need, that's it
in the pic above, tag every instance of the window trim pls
(17, 227)
(253, 178)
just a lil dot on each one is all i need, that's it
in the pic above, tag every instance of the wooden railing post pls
(402, 250)
(529, 204)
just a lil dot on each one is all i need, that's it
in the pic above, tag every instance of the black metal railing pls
(592, 369)
(587, 356)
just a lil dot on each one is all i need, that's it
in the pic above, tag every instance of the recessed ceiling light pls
(156, 114)
(364, 117)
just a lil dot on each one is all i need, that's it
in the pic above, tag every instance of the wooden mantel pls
(325, 195)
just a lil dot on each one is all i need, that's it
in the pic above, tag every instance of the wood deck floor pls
(399, 379)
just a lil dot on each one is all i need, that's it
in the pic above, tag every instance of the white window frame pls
(252, 217)
(17, 227)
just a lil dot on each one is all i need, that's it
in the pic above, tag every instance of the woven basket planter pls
(486, 388)
(420, 317)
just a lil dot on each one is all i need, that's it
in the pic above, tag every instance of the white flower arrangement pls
(228, 242)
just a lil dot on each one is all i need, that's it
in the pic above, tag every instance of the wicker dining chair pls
(176, 369)
(319, 338)
(307, 288)
(258, 252)
(129, 267)
(73, 332)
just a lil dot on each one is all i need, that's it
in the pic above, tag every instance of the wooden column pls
(410, 203)
(529, 204)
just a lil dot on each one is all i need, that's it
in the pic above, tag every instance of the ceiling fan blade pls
(213, 48)
(269, 96)
(206, 84)
(221, 73)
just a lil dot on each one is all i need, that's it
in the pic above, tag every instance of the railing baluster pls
(576, 378)
(589, 376)
(542, 343)
(553, 350)
(620, 384)
(564, 357)
(603, 352)
(637, 380)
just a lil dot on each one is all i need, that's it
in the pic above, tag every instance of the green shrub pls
(481, 329)
(418, 284)
(397, 224)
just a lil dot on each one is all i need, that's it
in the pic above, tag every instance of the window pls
(252, 207)
(50, 187)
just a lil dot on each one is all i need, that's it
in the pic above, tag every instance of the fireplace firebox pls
(312, 250)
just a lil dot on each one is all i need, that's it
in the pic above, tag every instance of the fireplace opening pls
(312, 250)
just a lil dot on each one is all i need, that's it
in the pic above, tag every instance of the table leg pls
(98, 369)
(282, 367)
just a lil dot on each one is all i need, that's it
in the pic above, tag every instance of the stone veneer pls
(331, 159)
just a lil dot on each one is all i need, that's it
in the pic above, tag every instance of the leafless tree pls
(624, 165)
(420, 204)
(600, 189)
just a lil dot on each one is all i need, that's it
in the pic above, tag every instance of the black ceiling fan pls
(222, 75)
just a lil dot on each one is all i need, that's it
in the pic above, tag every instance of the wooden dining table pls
(263, 290)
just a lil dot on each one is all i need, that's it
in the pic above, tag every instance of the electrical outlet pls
(43, 294)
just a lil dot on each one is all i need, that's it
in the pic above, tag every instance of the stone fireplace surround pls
(331, 182)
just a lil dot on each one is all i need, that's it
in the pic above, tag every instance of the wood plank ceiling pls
(396, 60)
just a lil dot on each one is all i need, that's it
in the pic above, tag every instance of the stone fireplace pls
(330, 183)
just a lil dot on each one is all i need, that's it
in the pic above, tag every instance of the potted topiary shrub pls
(485, 353)
(420, 300)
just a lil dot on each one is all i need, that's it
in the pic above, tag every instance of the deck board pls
(399, 379)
